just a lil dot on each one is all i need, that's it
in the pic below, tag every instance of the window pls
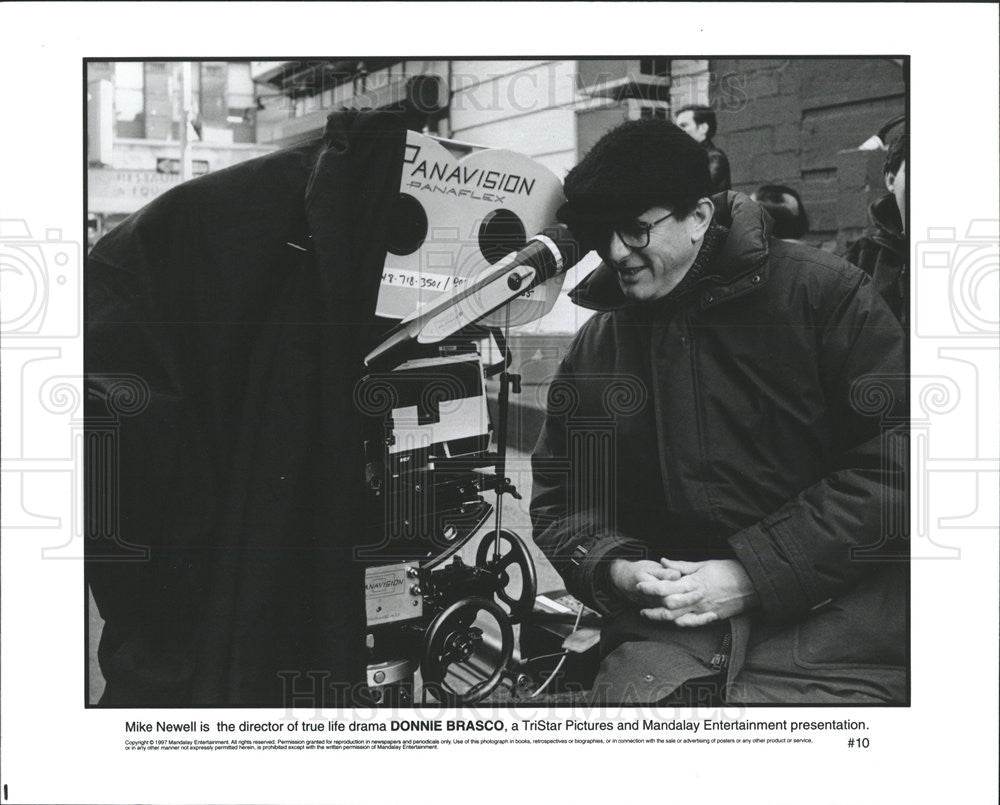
(100, 70)
(657, 67)
(148, 98)
(213, 106)
(129, 99)
(239, 85)
(158, 93)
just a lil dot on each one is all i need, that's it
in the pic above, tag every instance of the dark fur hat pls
(638, 165)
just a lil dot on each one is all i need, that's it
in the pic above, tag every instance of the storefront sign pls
(111, 191)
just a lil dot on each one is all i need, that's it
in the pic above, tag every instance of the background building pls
(135, 135)
(799, 122)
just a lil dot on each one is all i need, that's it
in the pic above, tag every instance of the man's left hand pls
(706, 592)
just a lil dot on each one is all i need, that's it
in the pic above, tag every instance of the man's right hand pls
(625, 576)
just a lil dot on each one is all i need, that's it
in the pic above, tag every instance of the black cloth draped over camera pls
(226, 326)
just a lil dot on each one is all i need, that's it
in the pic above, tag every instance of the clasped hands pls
(685, 593)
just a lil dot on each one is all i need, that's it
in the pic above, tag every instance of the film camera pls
(429, 603)
(445, 582)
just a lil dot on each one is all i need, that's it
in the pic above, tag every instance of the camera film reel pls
(456, 217)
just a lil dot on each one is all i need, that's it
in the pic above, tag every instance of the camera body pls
(435, 600)
(428, 470)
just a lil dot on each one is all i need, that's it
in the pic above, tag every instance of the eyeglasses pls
(634, 234)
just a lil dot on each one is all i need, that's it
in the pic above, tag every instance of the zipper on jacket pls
(656, 334)
(721, 657)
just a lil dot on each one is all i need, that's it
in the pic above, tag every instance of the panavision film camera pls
(445, 583)
(434, 607)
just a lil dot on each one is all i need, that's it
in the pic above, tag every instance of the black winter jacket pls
(718, 167)
(226, 326)
(758, 416)
(881, 254)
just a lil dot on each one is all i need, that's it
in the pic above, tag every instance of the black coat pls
(718, 167)
(237, 309)
(881, 254)
(759, 417)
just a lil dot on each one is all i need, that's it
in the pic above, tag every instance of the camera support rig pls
(427, 476)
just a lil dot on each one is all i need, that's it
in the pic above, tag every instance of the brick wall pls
(798, 122)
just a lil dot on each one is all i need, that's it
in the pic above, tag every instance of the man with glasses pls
(720, 471)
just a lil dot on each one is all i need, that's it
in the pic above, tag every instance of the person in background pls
(699, 122)
(882, 251)
(786, 209)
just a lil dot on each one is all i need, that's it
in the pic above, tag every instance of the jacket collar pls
(738, 265)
